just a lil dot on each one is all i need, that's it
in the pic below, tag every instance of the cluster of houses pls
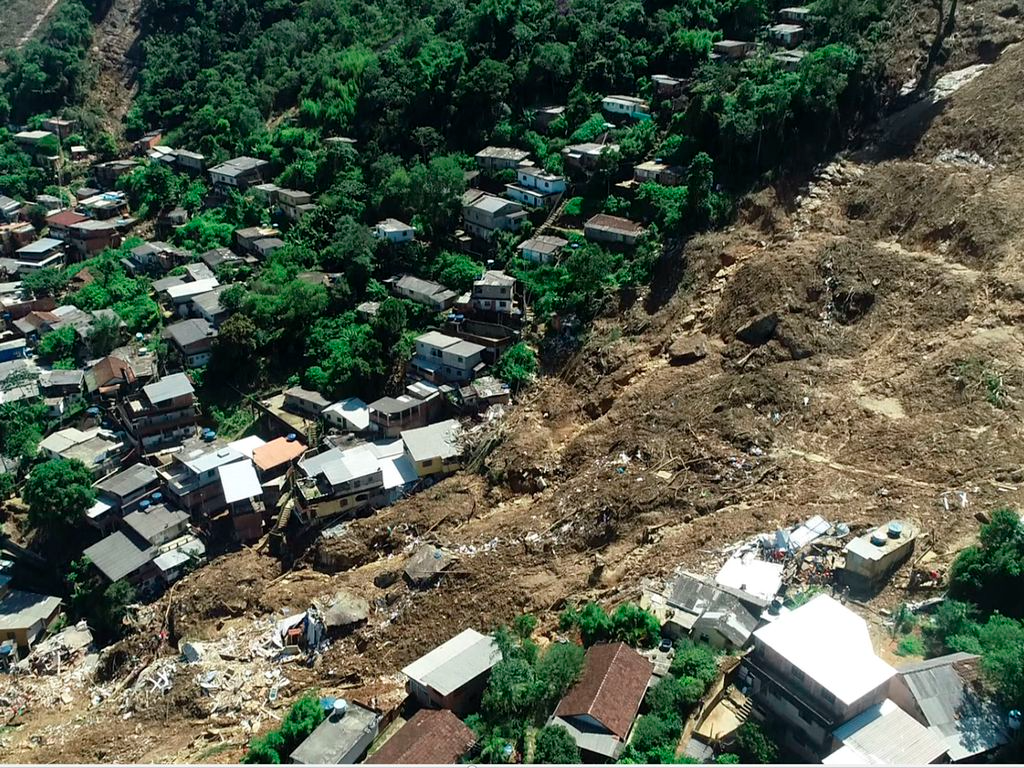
(809, 672)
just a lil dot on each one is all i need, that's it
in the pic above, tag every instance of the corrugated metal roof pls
(886, 735)
(453, 664)
(970, 723)
(168, 388)
(437, 441)
(118, 556)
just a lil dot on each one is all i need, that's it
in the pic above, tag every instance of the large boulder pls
(346, 612)
(687, 350)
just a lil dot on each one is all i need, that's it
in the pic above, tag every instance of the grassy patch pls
(976, 378)
(910, 645)
(215, 750)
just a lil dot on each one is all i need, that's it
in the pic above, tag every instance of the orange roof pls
(277, 452)
(65, 218)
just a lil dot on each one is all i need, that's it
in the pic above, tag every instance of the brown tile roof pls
(432, 736)
(277, 452)
(614, 681)
(614, 224)
(111, 369)
(65, 219)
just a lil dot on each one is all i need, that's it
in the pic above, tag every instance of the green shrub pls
(910, 645)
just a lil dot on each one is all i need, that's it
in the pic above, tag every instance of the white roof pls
(239, 481)
(352, 463)
(453, 664)
(397, 471)
(20, 610)
(200, 461)
(830, 644)
(247, 445)
(194, 288)
(353, 410)
(752, 575)
(179, 556)
(437, 441)
(886, 735)
(168, 388)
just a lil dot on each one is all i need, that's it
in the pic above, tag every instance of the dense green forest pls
(420, 87)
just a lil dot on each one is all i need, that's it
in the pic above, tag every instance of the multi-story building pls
(495, 292)
(162, 414)
(484, 214)
(535, 187)
(239, 173)
(445, 359)
(813, 669)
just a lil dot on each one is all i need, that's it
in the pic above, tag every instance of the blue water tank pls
(292, 437)
(895, 530)
(144, 504)
(157, 496)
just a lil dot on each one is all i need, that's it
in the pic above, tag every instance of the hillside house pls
(340, 481)
(155, 256)
(294, 203)
(732, 49)
(121, 493)
(192, 340)
(247, 237)
(542, 249)
(711, 614)
(10, 209)
(499, 158)
(658, 172)
(25, 616)
(350, 414)
(585, 156)
(243, 496)
(208, 306)
(942, 694)
(797, 14)
(600, 709)
(178, 297)
(430, 737)
(105, 205)
(668, 87)
(789, 60)
(193, 477)
(59, 223)
(109, 377)
(426, 292)
(389, 416)
(123, 556)
(37, 143)
(273, 458)
(109, 172)
(603, 228)
(484, 214)
(61, 128)
(342, 738)
(495, 292)
(265, 247)
(442, 359)
(435, 449)
(163, 413)
(157, 524)
(191, 162)
(812, 670)
(788, 35)
(535, 187)
(453, 675)
(394, 231)
(543, 117)
(43, 253)
(92, 236)
(239, 174)
(100, 450)
(305, 402)
(626, 106)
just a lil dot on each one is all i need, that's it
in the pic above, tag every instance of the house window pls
(805, 714)
(797, 675)
(827, 696)
(427, 462)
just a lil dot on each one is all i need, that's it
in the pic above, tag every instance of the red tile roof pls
(432, 736)
(65, 219)
(111, 369)
(614, 681)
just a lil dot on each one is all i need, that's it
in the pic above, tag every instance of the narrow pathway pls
(43, 16)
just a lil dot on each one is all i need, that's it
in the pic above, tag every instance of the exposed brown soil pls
(862, 361)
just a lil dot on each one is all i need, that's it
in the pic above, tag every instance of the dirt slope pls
(881, 376)
(115, 58)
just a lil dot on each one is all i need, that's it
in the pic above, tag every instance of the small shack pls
(341, 739)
